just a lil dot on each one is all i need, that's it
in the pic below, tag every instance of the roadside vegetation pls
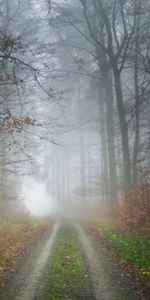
(133, 249)
(125, 230)
(127, 227)
(68, 277)
(15, 237)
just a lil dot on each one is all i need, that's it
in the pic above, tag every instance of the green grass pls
(67, 273)
(134, 249)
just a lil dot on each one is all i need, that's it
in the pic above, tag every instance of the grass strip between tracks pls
(68, 278)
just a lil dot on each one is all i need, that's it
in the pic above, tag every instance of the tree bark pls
(110, 135)
(104, 151)
(137, 99)
(123, 128)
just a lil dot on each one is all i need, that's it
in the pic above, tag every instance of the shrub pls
(134, 216)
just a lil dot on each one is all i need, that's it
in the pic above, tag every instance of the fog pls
(74, 105)
(35, 198)
(74, 149)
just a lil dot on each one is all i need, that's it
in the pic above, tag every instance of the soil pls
(23, 282)
(106, 279)
(109, 282)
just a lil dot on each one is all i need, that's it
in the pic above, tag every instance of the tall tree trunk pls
(108, 97)
(67, 175)
(82, 163)
(53, 179)
(89, 162)
(104, 151)
(81, 146)
(123, 128)
(57, 179)
(110, 135)
(137, 99)
(137, 126)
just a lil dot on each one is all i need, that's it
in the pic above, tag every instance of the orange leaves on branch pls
(29, 121)
(17, 124)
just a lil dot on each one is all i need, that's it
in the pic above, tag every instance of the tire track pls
(28, 290)
(108, 281)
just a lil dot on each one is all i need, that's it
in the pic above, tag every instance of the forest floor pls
(69, 264)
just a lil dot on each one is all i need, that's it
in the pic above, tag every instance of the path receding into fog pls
(107, 280)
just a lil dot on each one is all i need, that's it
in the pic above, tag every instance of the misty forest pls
(74, 149)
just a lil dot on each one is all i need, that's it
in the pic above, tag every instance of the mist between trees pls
(74, 100)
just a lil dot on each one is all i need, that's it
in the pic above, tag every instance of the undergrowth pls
(15, 236)
(133, 249)
(127, 226)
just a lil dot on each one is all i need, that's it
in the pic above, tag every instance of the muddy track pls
(106, 279)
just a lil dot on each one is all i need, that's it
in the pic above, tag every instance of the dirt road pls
(107, 280)
(22, 285)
